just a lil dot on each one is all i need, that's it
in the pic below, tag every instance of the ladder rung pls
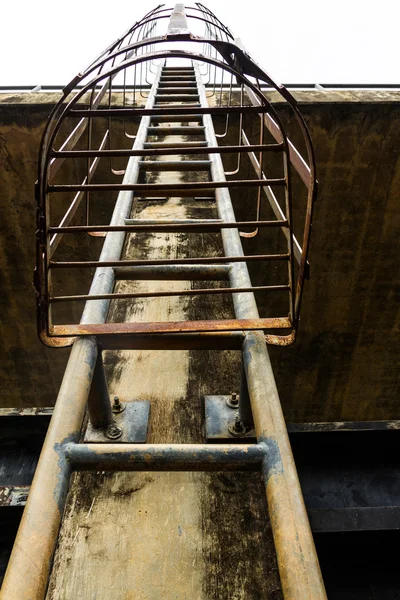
(165, 148)
(85, 264)
(166, 294)
(185, 130)
(176, 193)
(177, 84)
(184, 81)
(175, 225)
(175, 165)
(175, 188)
(176, 97)
(170, 221)
(175, 145)
(181, 106)
(179, 70)
(165, 457)
(174, 273)
(180, 225)
(182, 77)
(162, 91)
(172, 327)
(177, 118)
(150, 198)
(171, 109)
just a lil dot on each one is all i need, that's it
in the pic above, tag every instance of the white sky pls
(296, 41)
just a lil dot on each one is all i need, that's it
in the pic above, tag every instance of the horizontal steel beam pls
(214, 225)
(170, 110)
(176, 97)
(175, 165)
(168, 261)
(173, 188)
(104, 329)
(177, 130)
(169, 293)
(165, 148)
(165, 457)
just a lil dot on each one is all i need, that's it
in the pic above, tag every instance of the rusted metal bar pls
(167, 261)
(158, 225)
(174, 85)
(175, 165)
(99, 330)
(176, 189)
(165, 148)
(166, 294)
(177, 110)
(177, 130)
(173, 273)
(176, 97)
(165, 457)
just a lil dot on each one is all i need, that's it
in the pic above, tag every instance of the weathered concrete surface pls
(30, 374)
(344, 364)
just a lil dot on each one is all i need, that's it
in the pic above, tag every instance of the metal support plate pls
(218, 418)
(133, 421)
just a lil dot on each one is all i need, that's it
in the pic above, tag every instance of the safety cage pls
(149, 105)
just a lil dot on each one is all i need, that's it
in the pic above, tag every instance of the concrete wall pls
(343, 365)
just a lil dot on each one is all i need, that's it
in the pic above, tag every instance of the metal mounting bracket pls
(133, 421)
(219, 418)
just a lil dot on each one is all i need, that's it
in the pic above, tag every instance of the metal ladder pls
(176, 105)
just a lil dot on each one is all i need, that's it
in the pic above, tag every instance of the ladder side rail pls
(31, 558)
(297, 558)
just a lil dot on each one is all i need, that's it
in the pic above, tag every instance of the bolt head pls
(113, 432)
(117, 406)
(232, 400)
(236, 427)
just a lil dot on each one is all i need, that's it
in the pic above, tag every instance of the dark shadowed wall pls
(345, 363)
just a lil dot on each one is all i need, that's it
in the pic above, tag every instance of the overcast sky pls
(296, 41)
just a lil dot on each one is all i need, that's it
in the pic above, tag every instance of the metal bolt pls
(118, 406)
(236, 428)
(113, 432)
(233, 400)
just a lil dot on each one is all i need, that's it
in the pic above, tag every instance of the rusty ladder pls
(176, 105)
